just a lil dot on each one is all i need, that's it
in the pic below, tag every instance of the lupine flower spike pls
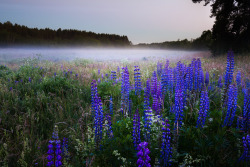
(143, 155)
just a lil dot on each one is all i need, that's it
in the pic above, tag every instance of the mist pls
(97, 54)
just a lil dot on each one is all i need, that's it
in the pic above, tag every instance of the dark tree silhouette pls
(21, 35)
(231, 29)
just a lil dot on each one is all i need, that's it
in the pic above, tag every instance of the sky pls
(143, 21)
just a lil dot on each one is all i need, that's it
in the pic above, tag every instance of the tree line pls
(14, 34)
(201, 43)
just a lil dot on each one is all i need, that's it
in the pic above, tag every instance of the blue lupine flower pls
(109, 126)
(154, 84)
(166, 149)
(164, 80)
(58, 153)
(231, 105)
(125, 88)
(178, 108)
(147, 122)
(98, 121)
(207, 79)
(99, 71)
(238, 78)
(229, 69)
(170, 77)
(143, 155)
(136, 130)
(113, 75)
(246, 145)
(159, 69)
(54, 152)
(155, 104)
(50, 153)
(245, 123)
(220, 84)
(118, 69)
(65, 149)
(55, 133)
(137, 78)
(93, 95)
(204, 108)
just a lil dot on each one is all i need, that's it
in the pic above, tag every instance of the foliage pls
(21, 35)
(37, 96)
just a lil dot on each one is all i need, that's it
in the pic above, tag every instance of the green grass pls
(30, 109)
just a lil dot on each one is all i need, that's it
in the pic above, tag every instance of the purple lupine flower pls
(118, 69)
(229, 69)
(147, 122)
(204, 108)
(246, 145)
(76, 75)
(178, 108)
(65, 149)
(136, 129)
(137, 78)
(166, 149)
(98, 121)
(238, 78)
(55, 133)
(109, 126)
(179, 78)
(143, 155)
(55, 74)
(245, 123)
(220, 84)
(159, 68)
(164, 80)
(153, 84)
(201, 75)
(50, 153)
(155, 104)
(164, 77)
(170, 81)
(207, 79)
(113, 75)
(99, 71)
(58, 152)
(188, 78)
(29, 79)
(93, 95)
(231, 105)
(125, 88)
(54, 152)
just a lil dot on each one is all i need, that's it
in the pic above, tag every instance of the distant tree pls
(231, 29)
(21, 35)
(204, 41)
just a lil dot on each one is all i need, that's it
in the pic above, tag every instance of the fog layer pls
(71, 54)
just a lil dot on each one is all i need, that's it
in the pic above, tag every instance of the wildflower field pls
(111, 114)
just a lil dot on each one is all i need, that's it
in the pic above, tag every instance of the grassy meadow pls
(42, 102)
